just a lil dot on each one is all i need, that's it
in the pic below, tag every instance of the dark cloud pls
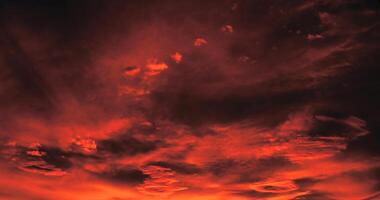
(126, 145)
(203, 93)
(365, 145)
(255, 194)
(23, 83)
(221, 167)
(336, 127)
(305, 182)
(124, 175)
(56, 157)
(178, 167)
(228, 107)
(248, 171)
(314, 196)
(46, 160)
(49, 161)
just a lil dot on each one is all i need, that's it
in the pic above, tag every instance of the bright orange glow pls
(177, 57)
(154, 67)
(199, 42)
(227, 29)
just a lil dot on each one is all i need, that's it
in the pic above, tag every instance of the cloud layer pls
(211, 100)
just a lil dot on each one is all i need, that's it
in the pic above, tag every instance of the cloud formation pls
(189, 100)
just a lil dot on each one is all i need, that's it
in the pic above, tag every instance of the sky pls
(189, 100)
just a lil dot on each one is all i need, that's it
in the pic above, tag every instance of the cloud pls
(199, 42)
(129, 176)
(178, 167)
(126, 145)
(177, 57)
(189, 100)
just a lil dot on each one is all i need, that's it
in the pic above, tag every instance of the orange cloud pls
(154, 67)
(227, 29)
(177, 57)
(199, 42)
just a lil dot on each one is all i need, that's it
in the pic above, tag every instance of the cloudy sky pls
(189, 100)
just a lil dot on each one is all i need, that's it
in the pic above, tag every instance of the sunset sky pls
(189, 100)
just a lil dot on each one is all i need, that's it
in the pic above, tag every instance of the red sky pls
(189, 100)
